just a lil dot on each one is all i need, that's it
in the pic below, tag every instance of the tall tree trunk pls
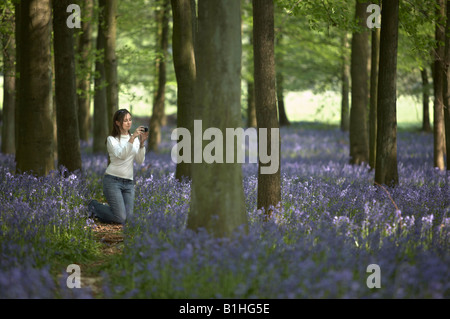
(282, 117)
(9, 83)
(251, 105)
(217, 200)
(35, 139)
(426, 127)
(446, 93)
(101, 122)
(185, 71)
(386, 171)
(345, 79)
(69, 154)
(359, 142)
(157, 117)
(85, 66)
(112, 87)
(269, 185)
(373, 97)
(438, 78)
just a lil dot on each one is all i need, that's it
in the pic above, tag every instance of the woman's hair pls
(118, 116)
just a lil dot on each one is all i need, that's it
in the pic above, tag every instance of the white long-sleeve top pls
(122, 154)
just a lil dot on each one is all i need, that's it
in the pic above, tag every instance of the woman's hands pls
(141, 134)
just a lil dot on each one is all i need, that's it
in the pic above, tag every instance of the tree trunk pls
(85, 67)
(446, 93)
(386, 171)
(69, 154)
(9, 84)
(359, 142)
(112, 87)
(373, 97)
(251, 106)
(217, 198)
(157, 117)
(35, 137)
(426, 127)
(185, 71)
(269, 185)
(101, 122)
(345, 78)
(438, 80)
(282, 117)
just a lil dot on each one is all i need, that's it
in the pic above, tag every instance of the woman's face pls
(126, 124)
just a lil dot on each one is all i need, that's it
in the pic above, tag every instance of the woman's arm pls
(118, 150)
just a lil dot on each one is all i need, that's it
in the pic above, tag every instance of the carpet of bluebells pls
(333, 224)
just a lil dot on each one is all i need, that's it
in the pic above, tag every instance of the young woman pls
(118, 186)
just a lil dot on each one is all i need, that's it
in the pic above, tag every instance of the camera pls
(145, 129)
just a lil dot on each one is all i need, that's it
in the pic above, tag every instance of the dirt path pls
(111, 238)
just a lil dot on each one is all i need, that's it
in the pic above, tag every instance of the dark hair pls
(118, 116)
(115, 131)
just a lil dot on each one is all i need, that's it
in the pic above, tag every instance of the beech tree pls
(183, 12)
(269, 185)
(217, 196)
(386, 171)
(34, 125)
(69, 154)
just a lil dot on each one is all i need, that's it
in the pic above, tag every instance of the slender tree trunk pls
(269, 185)
(35, 139)
(386, 171)
(112, 87)
(185, 71)
(426, 127)
(438, 77)
(359, 142)
(282, 117)
(158, 115)
(446, 93)
(69, 154)
(101, 122)
(85, 67)
(345, 78)
(9, 84)
(373, 97)
(251, 106)
(217, 199)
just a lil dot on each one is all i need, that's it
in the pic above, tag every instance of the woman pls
(118, 185)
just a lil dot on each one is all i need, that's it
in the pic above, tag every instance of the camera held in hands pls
(145, 129)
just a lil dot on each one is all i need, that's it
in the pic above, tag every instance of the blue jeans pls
(119, 193)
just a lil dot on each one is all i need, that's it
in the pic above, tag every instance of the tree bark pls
(85, 66)
(9, 84)
(101, 122)
(446, 93)
(69, 154)
(359, 142)
(282, 116)
(426, 127)
(438, 80)
(112, 87)
(269, 185)
(157, 118)
(217, 198)
(185, 71)
(345, 78)
(373, 97)
(386, 171)
(35, 137)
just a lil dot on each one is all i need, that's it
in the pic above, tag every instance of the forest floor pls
(110, 238)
